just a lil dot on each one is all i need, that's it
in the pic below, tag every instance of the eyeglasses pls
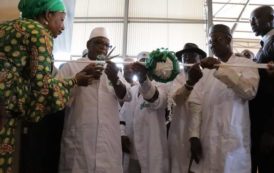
(102, 43)
(191, 57)
(215, 39)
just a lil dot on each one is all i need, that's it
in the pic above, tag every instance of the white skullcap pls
(142, 55)
(98, 32)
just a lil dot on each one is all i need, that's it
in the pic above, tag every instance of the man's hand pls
(88, 74)
(94, 69)
(82, 79)
(210, 63)
(194, 74)
(125, 144)
(140, 70)
(196, 149)
(112, 71)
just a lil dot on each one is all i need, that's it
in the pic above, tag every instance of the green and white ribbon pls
(162, 65)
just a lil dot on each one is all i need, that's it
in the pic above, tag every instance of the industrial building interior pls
(140, 25)
(145, 25)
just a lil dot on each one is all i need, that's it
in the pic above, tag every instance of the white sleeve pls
(195, 109)
(161, 101)
(147, 89)
(64, 72)
(243, 81)
(195, 121)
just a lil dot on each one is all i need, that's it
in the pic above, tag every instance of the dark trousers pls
(40, 144)
(264, 164)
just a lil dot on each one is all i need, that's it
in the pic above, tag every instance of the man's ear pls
(271, 16)
(272, 19)
(228, 39)
(48, 16)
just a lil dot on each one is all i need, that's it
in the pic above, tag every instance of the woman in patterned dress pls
(27, 88)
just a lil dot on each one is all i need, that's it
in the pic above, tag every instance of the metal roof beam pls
(239, 3)
(239, 17)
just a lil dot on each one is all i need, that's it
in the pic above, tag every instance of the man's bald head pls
(220, 28)
(262, 20)
(220, 41)
(265, 9)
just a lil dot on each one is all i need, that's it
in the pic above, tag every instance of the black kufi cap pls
(220, 28)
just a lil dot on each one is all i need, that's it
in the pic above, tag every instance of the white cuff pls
(195, 119)
(228, 76)
(147, 89)
(243, 83)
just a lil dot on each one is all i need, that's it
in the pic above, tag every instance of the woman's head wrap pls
(33, 8)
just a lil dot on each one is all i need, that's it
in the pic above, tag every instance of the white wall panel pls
(99, 8)
(193, 9)
(148, 37)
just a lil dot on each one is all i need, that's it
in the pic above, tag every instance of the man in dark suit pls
(262, 106)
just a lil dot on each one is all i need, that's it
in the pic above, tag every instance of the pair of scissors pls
(108, 57)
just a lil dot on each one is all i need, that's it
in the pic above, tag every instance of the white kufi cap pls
(98, 32)
(142, 55)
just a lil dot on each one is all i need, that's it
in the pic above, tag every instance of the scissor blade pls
(114, 56)
(108, 55)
